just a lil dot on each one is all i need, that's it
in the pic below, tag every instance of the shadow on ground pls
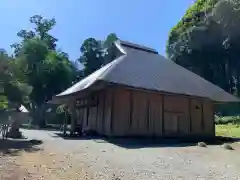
(13, 147)
(135, 143)
(77, 137)
(142, 142)
(47, 128)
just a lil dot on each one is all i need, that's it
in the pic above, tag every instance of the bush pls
(227, 120)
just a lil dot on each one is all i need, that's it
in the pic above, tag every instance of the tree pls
(110, 51)
(47, 70)
(41, 30)
(3, 78)
(205, 42)
(95, 53)
(195, 14)
(13, 90)
(92, 55)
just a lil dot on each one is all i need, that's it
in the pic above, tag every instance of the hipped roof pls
(142, 67)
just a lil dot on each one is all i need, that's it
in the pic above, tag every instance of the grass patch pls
(228, 130)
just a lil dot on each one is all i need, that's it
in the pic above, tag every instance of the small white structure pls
(23, 109)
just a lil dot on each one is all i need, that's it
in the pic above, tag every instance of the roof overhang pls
(66, 99)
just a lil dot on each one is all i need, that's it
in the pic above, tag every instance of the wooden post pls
(202, 119)
(112, 112)
(190, 115)
(131, 111)
(163, 114)
(73, 117)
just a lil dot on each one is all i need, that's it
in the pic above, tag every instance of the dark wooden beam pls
(97, 111)
(131, 109)
(190, 114)
(163, 114)
(103, 109)
(87, 114)
(112, 110)
(202, 117)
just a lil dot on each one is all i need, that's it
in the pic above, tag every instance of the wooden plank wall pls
(176, 115)
(107, 117)
(121, 112)
(197, 126)
(127, 112)
(136, 113)
(156, 114)
(100, 112)
(139, 113)
(208, 117)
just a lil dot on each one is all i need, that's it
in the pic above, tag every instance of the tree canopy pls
(12, 88)
(38, 69)
(193, 16)
(206, 41)
(96, 53)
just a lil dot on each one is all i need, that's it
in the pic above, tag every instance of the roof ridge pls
(137, 46)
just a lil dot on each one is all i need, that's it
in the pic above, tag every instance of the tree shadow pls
(151, 142)
(13, 147)
(47, 128)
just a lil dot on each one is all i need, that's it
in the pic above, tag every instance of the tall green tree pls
(194, 15)
(41, 30)
(206, 41)
(48, 71)
(96, 53)
(91, 55)
(13, 88)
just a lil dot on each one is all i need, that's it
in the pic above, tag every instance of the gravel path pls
(103, 160)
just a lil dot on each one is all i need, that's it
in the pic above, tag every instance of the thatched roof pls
(141, 67)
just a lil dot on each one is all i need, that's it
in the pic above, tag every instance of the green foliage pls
(193, 16)
(206, 42)
(3, 102)
(110, 50)
(91, 57)
(38, 70)
(61, 109)
(227, 119)
(109, 40)
(13, 90)
(41, 31)
(47, 70)
(95, 53)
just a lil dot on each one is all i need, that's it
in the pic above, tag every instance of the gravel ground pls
(103, 160)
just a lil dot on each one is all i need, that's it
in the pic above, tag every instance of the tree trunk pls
(14, 129)
(38, 116)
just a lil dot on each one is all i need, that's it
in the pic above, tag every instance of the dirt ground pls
(40, 165)
(83, 159)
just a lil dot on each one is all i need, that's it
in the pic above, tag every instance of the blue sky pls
(146, 22)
